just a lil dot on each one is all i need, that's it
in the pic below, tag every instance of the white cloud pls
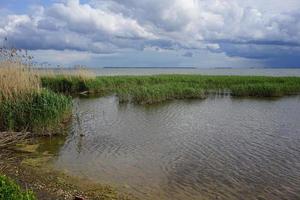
(61, 57)
(236, 27)
(84, 18)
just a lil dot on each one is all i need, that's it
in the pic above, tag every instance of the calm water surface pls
(237, 71)
(218, 148)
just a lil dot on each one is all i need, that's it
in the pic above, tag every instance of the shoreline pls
(34, 171)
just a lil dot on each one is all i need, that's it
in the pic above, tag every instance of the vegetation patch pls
(159, 88)
(65, 84)
(38, 112)
(24, 105)
(9, 190)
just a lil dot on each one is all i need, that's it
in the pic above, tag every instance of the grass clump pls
(9, 190)
(149, 94)
(64, 84)
(67, 81)
(38, 112)
(265, 90)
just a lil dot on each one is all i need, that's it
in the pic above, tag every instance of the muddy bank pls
(33, 171)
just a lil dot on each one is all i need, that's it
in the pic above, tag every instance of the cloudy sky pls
(155, 33)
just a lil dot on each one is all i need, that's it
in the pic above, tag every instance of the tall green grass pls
(149, 94)
(9, 190)
(65, 84)
(38, 112)
(153, 89)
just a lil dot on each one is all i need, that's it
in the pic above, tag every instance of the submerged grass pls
(158, 88)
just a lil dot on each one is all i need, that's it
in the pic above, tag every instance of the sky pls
(155, 33)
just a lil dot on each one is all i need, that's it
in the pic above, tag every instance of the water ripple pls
(219, 148)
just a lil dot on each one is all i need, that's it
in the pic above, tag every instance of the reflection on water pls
(219, 148)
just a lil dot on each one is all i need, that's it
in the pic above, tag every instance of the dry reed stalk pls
(12, 138)
(84, 73)
(16, 80)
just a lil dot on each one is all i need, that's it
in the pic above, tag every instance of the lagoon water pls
(208, 71)
(218, 148)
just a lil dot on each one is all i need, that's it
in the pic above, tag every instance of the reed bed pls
(24, 105)
(159, 88)
(66, 81)
(17, 80)
(40, 112)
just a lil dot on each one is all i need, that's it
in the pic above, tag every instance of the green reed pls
(158, 88)
(40, 112)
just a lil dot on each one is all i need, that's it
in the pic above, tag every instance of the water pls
(218, 148)
(238, 71)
